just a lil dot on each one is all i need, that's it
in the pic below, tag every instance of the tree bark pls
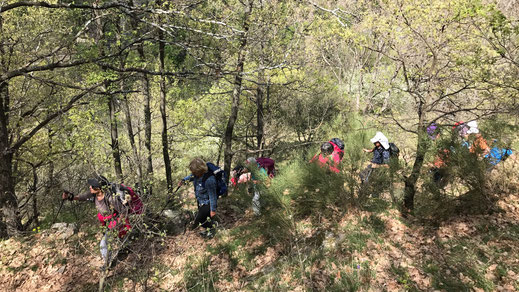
(259, 113)
(237, 88)
(147, 115)
(165, 144)
(114, 133)
(11, 223)
(131, 137)
(8, 202)
(50, 177)
(33, 191)
(410, 181)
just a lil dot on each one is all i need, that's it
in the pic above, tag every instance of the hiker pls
(328, 157)
(497, 154)
(205, 185)
(439, 168)
(381, 154)
(461, 129)
(112, 212)
(256, 171)
(479, 146)
(252, 172)
(433, 132)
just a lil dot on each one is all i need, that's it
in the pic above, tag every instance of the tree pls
(32, 57)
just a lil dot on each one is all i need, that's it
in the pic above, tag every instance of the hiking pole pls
(59, 210)
(169, 199)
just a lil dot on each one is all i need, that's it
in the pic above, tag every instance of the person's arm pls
(210, 186)
(368, 150)
(187, 178)
(66, 195)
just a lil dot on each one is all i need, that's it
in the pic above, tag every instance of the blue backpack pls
(219, 175)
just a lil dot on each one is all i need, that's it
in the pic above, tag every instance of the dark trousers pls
(440, 177)
(203, 217)
(365, 174)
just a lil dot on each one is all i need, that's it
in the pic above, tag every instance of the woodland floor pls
(368, 250)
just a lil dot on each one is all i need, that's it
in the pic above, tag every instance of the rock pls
(60, 225)
(61, 270)
(64, 230)
(172, 215)
(175, 221)
(66, 233)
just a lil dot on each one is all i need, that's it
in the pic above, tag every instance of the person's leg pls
(376, 184)
(105, 249)
(256, 206)
(203, 217)
(365, 174)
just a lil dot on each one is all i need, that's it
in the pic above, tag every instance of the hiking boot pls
(210, 234)
(207, 233)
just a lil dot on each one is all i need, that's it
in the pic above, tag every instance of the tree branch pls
(51, 117)
(43, 4)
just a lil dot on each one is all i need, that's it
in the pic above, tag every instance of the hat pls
(98, 181)
(382, 139)
(473, 127)
(432, 131)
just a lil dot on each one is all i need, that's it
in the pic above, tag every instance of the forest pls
(420, 192)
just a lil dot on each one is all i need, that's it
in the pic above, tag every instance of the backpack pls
(338, 146)
(268, 164)
(393, 150)
(219, 175)
(134, 202)
(338, 142)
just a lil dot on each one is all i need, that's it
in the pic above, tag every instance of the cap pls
(98, 181)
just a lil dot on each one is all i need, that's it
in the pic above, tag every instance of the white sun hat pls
(473, 127)
(379, 137)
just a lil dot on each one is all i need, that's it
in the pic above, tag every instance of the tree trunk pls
(8, 201)
(259, 113)
(165, 144)
(50, 178)
(236, 93)
(147, 121)
(114, 133)
(131, 137)
(410, 181)
(33, 191)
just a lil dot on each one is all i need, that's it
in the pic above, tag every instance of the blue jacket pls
(497, 154)
(380, 155)
(205, 195)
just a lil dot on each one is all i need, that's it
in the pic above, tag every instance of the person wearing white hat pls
(480, 145)
(380, 151)
(380, 158)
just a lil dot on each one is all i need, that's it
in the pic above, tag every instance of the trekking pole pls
(169, 199)
(59, 210)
